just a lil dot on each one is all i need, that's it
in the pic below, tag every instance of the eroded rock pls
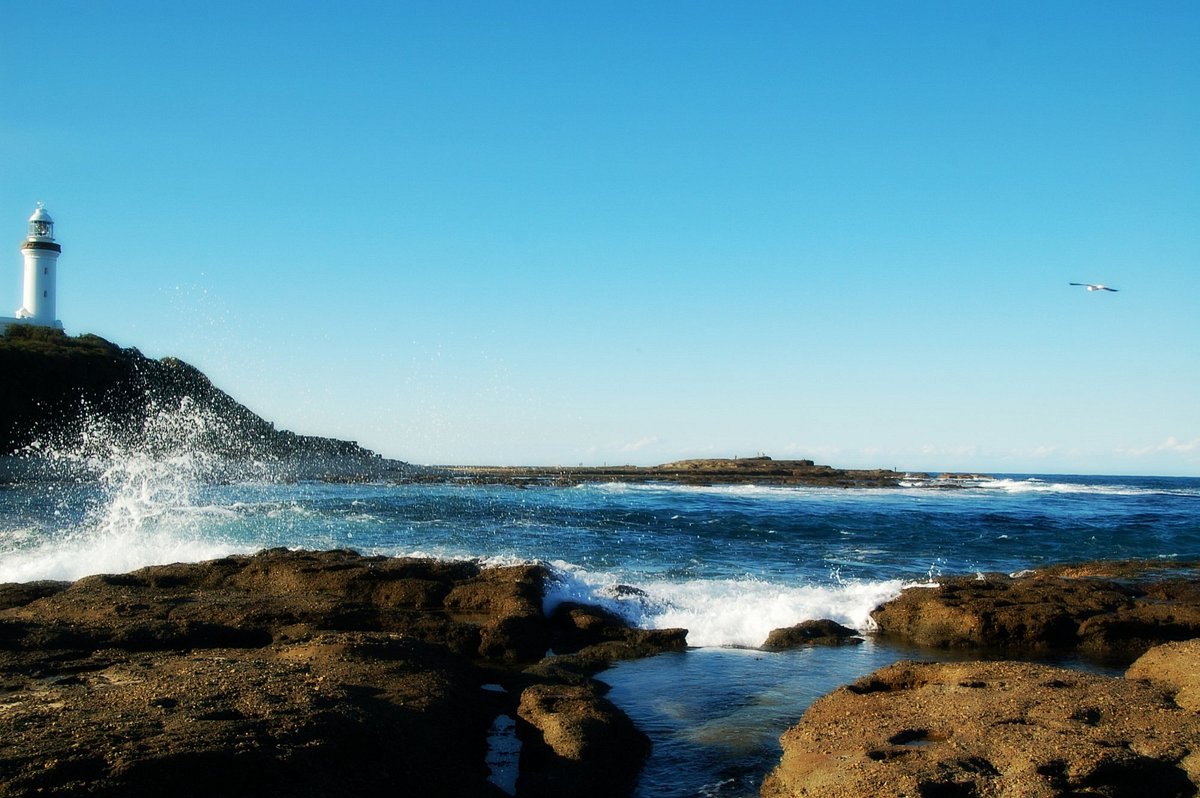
(989, 729)
(1046, 612)
(592, 632)
(290, 674)
(811, 633)
(577, 743)
(1174, 667)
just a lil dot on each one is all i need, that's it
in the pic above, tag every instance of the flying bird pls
(1095, 287)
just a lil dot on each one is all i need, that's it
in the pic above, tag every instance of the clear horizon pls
(569, 234)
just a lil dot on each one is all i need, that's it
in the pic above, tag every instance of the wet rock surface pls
(565, 755)
(811, 633)
(302, 673)
(1114, 612)
(993, 729)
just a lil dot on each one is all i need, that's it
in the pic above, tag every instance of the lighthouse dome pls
(40, 215)
(41, 226)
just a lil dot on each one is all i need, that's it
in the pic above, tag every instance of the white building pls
(41, 253)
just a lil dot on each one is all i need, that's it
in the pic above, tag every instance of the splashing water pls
(722, 612)
(120, 499)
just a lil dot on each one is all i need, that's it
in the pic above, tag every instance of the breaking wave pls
(116, 499)
(722, 612)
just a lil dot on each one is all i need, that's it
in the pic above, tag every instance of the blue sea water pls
(729, 563)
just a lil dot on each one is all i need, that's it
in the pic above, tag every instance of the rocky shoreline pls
(322, 673)
(309, 674)
(1000, 728)
(1003, 727)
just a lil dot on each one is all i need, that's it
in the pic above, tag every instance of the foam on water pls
(1022, 484)
(721, 612)
(743, 613)
(750, 491)
(913, 485)
(84, 554)
(1037, 485)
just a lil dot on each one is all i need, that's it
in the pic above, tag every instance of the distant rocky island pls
(59, 389)
(760, 470)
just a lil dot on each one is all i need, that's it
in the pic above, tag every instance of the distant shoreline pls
(760, 471)
(736, 471)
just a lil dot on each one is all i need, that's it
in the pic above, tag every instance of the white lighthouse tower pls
(41, 253)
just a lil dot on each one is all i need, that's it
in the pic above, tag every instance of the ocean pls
(727, 563)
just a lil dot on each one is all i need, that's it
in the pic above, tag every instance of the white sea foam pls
(739, 490)
(743, 613)
(728, 612)
(73, 559)
(1037, 485)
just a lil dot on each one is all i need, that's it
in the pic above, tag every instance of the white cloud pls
(1170, 445)
(637, 446)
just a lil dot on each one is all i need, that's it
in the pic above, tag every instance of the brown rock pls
(750, 470)
(811, 633)
(594, 632)
(1174, 667)
(508, 602)
(345, 712)
(16, 595)
(576, 743)
(1044, 612)
(988, 729)
(287, 674)
(1167, 611)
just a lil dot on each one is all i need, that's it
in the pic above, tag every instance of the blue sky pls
(634, 232)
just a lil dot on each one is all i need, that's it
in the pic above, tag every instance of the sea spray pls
(124, 497)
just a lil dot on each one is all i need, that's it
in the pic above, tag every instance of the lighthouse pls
(41, 253)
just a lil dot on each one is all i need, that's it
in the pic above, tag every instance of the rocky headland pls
(66, 393)
(309, 674)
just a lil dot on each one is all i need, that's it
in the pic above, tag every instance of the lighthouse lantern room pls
(41, 253)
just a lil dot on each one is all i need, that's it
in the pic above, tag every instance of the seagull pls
(1095, 287)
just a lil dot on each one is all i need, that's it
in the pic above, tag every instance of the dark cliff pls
(59, 391)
